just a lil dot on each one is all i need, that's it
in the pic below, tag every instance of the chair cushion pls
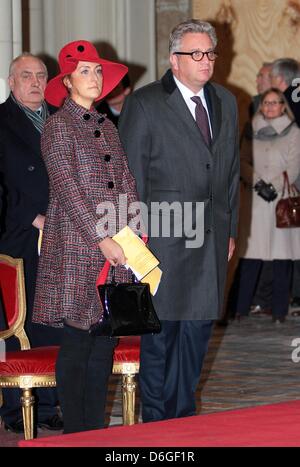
(36, 361)
(127, 350)
(41, 360)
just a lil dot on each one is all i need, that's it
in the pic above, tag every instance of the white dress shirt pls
(187, 94)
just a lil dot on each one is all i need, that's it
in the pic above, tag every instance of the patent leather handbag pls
(127, 310)
(288, 209)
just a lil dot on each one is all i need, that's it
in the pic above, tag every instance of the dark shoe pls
(222, 322)
(240, 317)
(295, 303)
(278, 319)
(295, 313)
(53, 423)
(15, 427)
(258, 310)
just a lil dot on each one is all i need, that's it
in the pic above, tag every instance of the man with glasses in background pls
(181, 138)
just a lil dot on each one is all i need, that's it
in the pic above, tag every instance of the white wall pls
(10, 40)
(127, 25)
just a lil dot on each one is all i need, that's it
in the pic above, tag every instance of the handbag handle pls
(286, 183)
(103, 275)
(290, 188)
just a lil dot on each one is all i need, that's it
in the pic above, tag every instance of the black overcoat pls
(171, 162)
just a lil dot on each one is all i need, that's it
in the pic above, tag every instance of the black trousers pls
(263, 291)
(170, 368)
(296, 279)
(248, 274)
(83, 368)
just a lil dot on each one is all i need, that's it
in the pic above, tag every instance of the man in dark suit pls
(24, 182)
(181, 138)
(112, 105)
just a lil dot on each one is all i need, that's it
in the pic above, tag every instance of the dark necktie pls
(202, 119)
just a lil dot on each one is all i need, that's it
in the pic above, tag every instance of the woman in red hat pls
(86, 167)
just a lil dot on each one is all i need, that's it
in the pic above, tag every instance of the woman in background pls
(272, 148)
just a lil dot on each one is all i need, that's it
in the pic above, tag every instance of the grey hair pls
(287, 68)
(192, 25)
(267, 64)
(25, 55)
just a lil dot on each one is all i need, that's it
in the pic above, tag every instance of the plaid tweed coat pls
(86, 166)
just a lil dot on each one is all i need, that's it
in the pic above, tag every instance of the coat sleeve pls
(23, 208)
(135, 137)
(248, 175)
(234, 179)
(292, 160)
(58, 154)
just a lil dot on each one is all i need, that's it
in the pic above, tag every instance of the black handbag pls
(127, 310)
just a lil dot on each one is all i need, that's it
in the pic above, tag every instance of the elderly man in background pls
(263, 82)
(24, 182)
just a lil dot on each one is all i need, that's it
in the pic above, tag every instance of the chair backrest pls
(13, 301)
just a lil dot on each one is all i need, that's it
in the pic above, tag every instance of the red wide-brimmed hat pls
(69, 56)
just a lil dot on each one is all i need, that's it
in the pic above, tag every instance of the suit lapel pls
(22, 126)
(215, 110)
(175, 100)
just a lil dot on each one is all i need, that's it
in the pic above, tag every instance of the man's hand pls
(112, 251)
(39, 222)
(231, 248)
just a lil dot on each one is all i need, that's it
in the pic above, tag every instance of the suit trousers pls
(249, 270)
(170, 368)
(83, 368)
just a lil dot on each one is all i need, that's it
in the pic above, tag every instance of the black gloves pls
(265, 190)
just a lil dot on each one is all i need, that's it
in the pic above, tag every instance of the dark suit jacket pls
(104, 108)
(295, 106)
(171, 162)
(25, 185)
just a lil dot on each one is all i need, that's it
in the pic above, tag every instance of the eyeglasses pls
(197, 55)
(272, 103)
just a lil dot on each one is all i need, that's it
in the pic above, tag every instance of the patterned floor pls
(248, 363)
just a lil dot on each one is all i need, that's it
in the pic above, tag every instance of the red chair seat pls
(36, 361)
(41, 360)
(128, 350)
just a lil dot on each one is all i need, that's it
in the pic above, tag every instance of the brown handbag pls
(288, 209)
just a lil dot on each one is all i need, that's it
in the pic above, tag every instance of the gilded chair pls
(35, 368)
(127, 364)
(26, 368)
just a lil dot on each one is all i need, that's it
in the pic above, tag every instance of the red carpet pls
(269, 425)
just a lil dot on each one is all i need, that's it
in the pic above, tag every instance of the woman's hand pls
(112, 251)
(39, 222)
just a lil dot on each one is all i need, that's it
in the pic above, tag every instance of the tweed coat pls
(86, 166)
(267, 158)
(171, 162)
